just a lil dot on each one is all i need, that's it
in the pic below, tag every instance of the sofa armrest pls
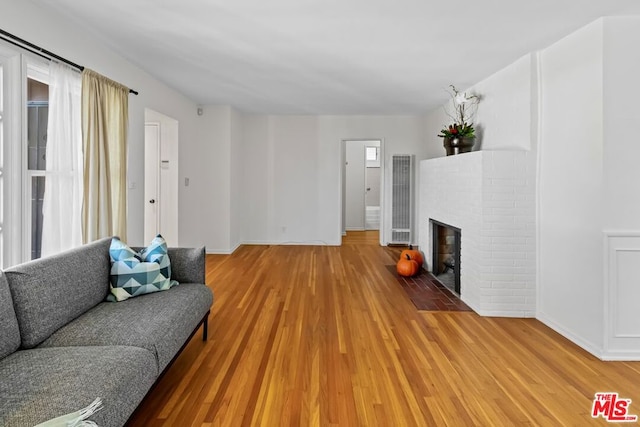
(188, 264)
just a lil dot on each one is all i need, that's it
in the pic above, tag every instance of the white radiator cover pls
(401, 199)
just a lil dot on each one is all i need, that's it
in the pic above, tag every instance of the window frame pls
(15, 226)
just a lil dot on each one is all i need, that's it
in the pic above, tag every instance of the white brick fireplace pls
(490, 196)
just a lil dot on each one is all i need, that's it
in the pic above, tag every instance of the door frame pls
(343, 185)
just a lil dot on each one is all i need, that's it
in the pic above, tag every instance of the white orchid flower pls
(461, 98)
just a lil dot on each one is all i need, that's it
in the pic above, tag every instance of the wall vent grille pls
(401, 198)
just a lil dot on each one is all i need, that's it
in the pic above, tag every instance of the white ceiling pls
(329, 56)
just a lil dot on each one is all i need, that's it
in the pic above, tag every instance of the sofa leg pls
(205, 327)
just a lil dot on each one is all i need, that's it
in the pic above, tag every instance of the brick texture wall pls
(490, 196)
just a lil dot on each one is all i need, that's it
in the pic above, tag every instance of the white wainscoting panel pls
(622, 296)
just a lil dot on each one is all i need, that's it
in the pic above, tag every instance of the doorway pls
(362, 194)
(160, 177)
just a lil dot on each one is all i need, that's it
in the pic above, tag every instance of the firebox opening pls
(446, 254)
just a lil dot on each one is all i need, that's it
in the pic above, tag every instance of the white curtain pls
(62, 202)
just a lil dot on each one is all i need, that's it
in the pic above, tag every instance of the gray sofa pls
(62, 345)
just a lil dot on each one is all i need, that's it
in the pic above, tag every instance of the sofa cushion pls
(50, 292)
(160, 322)
(44, 383)
(134, 274)
(9, 332)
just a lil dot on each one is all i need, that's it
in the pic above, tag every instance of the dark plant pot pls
(457, 145)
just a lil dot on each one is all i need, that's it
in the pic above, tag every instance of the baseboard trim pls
(585, 345)
(621, 356)
(290, 243)
(218, 252)
(221, 251)
(518, 314)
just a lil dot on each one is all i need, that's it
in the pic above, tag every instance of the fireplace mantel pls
(490, 196)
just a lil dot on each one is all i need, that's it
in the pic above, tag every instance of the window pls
(372, 153)
(372, 156)
(37, 119)
(23, 122)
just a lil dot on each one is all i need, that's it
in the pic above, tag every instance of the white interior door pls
(161, 177)
(372, 185)
(151, 180)
(355, 185)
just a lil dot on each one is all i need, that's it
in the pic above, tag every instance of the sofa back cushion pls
(9, 332)
(50, 292)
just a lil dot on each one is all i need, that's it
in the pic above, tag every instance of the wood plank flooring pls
(325, 336)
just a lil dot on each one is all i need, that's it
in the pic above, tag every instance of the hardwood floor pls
(325, 336)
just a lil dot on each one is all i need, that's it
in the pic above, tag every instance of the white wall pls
(504, 117)
(58, 35)
(589, 224)
(621, 186)
(292, 171)
(621, 114)
(210, 180)
(256, 150)
(280, 180)
(296, 177)
(399, 135)
(434, 121)
(571, 187)
(237, 170)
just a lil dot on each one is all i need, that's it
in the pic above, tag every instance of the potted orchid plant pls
(459, 136)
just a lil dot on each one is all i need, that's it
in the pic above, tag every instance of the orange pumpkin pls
(407, 267)
(414, 254)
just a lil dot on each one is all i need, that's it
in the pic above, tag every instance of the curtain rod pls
(43, 53)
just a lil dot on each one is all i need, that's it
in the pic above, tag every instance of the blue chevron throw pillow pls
(134, 273)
